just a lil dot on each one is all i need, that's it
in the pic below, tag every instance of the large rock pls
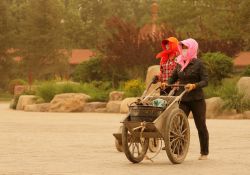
(125, 103)
(114, 106)
(101, 110)
(92, 106)
(152, 71)
(25, 100)
(214, 107)
(69, 102)
(244, 86)
(43, 107)
(116, 96)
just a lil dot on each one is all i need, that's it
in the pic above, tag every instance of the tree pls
(90, 70)
(128, 53)
(225, 21)
(6, 62)
(94, 14)
(42, 39)
(219, 66)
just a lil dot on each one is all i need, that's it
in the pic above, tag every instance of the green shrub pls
(47, 91)
(134, 88)
(247, 72)
(232, 98)
(5, 96)
(14, 83)
(218, 65)
(211, 91)
(98, 91)
(89, 71)
(15, 101)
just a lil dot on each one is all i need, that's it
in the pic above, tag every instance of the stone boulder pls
(101, 110)
(244, 86)
(114, 106)
(125, 103)
(69, 102)
(214, 107)
(93, 106)
(152, 71)
(116, 96)
(25, 100)
(43, 107)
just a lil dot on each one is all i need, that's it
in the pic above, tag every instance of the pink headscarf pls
(191, 52)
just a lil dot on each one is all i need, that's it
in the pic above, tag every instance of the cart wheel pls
(118, 144)
(135, 148)
(154, 144)
(177, 136)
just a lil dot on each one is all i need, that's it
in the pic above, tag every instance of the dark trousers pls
(198, 109)
(165, 91)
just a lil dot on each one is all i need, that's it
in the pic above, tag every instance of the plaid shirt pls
(167, 69)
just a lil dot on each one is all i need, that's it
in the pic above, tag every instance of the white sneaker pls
(203, 157)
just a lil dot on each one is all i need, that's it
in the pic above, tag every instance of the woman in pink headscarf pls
(191, 71)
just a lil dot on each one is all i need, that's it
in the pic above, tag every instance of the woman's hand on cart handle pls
(164, 85)
(189, 87)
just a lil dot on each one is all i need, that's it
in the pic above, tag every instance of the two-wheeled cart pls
(146, 123)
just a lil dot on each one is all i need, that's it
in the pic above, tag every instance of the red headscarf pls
(172, 51)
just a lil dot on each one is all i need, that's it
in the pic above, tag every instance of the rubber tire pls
(126, 150)
(169, 119)
(152, 148)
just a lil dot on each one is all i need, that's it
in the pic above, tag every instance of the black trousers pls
(198, 108)
(165, 91)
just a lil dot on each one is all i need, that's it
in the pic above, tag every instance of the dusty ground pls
(82, 143)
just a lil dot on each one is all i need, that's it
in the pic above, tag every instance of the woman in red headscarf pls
(167, 63)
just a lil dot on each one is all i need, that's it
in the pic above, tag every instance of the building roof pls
(80, 55)
(242, 59)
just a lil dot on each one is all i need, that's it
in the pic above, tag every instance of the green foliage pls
(232, 98)
(91, 13)
(223, 20)
(97, 90)
(134, 88)
(5, 96)
(90, 70)
(218, 65)
(128, 53)
(6, 63)
(14, 83)
(13, 104)
(42, 39)
(211, 91)
(47, 91)
(247, 72)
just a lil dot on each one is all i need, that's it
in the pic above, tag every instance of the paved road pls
(82, 143)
